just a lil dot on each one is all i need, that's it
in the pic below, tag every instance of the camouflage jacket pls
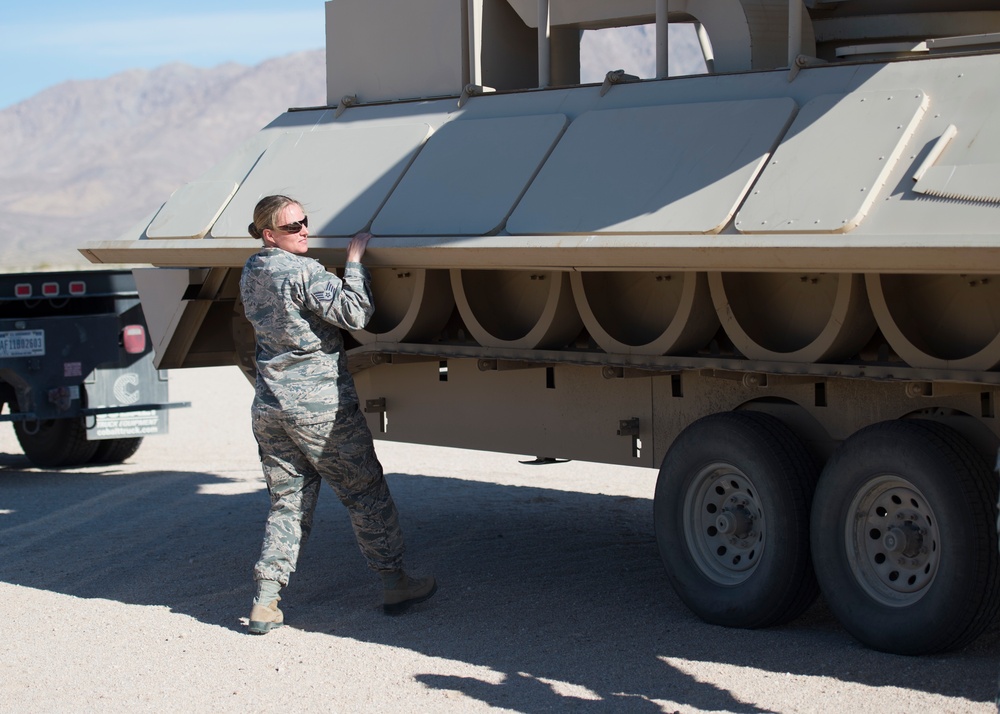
(297, 309)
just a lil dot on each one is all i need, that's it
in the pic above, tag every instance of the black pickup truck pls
(76, 367)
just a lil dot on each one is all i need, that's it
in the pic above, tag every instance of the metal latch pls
(377, 406)
(473, 90)
(348, 100)
(630, 428)
(614, 77)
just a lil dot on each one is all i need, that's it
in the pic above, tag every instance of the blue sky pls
(45, 43)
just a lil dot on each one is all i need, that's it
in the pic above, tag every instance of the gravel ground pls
(126, 588)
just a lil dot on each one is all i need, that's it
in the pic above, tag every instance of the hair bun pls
(254, 231)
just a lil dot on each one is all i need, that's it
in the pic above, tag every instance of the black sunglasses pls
(294, 227)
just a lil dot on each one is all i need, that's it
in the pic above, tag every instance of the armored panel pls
(660, 169)
(192, 208)
(469, 176)
(831, 165)
(394, 49)
(971, 182)
(964, 163)
(574, 12)
(341, 176)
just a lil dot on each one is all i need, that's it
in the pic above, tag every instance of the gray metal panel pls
(192, 209)
(164, 290)
(469, 176)
(394, 48)
(964, 163)
(972, 182)
(832, 164)
(341, 176)
(587, 11)
(662, 169)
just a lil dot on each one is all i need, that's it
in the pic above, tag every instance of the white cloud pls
(634, 50)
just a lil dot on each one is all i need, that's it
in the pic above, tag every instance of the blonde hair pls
(265, 214)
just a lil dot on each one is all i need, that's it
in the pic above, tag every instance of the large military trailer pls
(777, 281)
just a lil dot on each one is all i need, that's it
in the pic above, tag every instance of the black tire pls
(55, 443)
(731, 513)
(904, 538)
(115, 451)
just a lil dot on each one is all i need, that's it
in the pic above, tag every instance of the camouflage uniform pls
(305, 411)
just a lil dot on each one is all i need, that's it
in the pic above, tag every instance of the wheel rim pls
(724, 524)
(892, 541)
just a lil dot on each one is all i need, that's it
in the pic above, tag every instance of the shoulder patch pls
(326, 294)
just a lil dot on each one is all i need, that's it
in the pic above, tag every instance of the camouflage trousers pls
(296, 459)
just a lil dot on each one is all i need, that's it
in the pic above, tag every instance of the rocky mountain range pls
(86, 160)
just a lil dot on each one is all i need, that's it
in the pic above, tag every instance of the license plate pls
(24, 343)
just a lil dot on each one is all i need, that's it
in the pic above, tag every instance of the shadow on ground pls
(538, 585)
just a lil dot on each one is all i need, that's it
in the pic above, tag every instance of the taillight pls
(50, 289)
(22, 290)
(134, 339)
(77, 287)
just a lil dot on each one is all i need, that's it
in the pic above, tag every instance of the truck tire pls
(731, 513)
(115, 451)
(904, 538)
(55, 443)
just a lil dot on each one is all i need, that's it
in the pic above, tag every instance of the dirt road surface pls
(126, 589)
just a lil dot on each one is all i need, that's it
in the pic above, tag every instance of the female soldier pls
(305, 411)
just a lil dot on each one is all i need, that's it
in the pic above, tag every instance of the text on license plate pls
(24, 343)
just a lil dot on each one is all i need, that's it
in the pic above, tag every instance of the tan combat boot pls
(264, 618)
(400, 591)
